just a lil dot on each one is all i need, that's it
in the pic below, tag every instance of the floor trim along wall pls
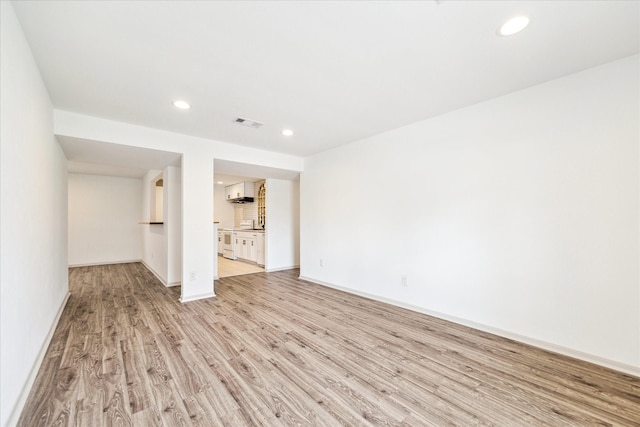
(197, 297)
(271, 270)
(26, 389)
(612, 364)
(104, 263)
(148, 267)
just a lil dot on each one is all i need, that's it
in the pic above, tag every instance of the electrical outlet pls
(321, 262)
(403, 280)
(192, 276)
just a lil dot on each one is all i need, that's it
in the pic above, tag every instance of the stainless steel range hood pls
(241, 200)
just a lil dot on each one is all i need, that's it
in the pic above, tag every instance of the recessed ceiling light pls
(220, 182)
(287, 132)
(183, 105)
(513, 26)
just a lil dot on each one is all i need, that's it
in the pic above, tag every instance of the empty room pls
(336, 213)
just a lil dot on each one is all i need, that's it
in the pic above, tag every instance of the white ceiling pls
(333, 71)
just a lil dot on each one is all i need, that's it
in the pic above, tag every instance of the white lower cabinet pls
(252, 252)
(247, 246)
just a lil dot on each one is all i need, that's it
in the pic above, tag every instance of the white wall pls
(519, 214)
(104, 212)
(33, 218)
(283, 224)
(158, 201)
(223, 211)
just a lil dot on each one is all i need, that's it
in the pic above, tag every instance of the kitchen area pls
(240, 223)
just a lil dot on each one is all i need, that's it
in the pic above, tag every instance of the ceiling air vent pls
(248, 122)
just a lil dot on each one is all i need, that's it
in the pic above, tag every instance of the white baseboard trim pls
(198, 297)
(104, 263)
(172, 284)
(26, 389)
(271, 270)
(148, 267)
(587, 357)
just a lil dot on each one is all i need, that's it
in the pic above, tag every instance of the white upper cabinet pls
(239, 190)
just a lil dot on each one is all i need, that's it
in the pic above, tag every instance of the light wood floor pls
(228, 267)
(273, 350)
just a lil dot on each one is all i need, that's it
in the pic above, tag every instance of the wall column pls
(197, 227)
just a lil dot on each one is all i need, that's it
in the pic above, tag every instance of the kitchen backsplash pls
(248, 210)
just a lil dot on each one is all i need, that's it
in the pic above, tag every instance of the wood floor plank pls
(138, 387)
(251, 406)
(220, 401)
(201, 412)
(184, 366)
(148, 417)
(292, 367)
(116, 404)
(89, 411)
(294, 406)
(273, 350)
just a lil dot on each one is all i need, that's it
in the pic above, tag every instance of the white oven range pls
(228, 244)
